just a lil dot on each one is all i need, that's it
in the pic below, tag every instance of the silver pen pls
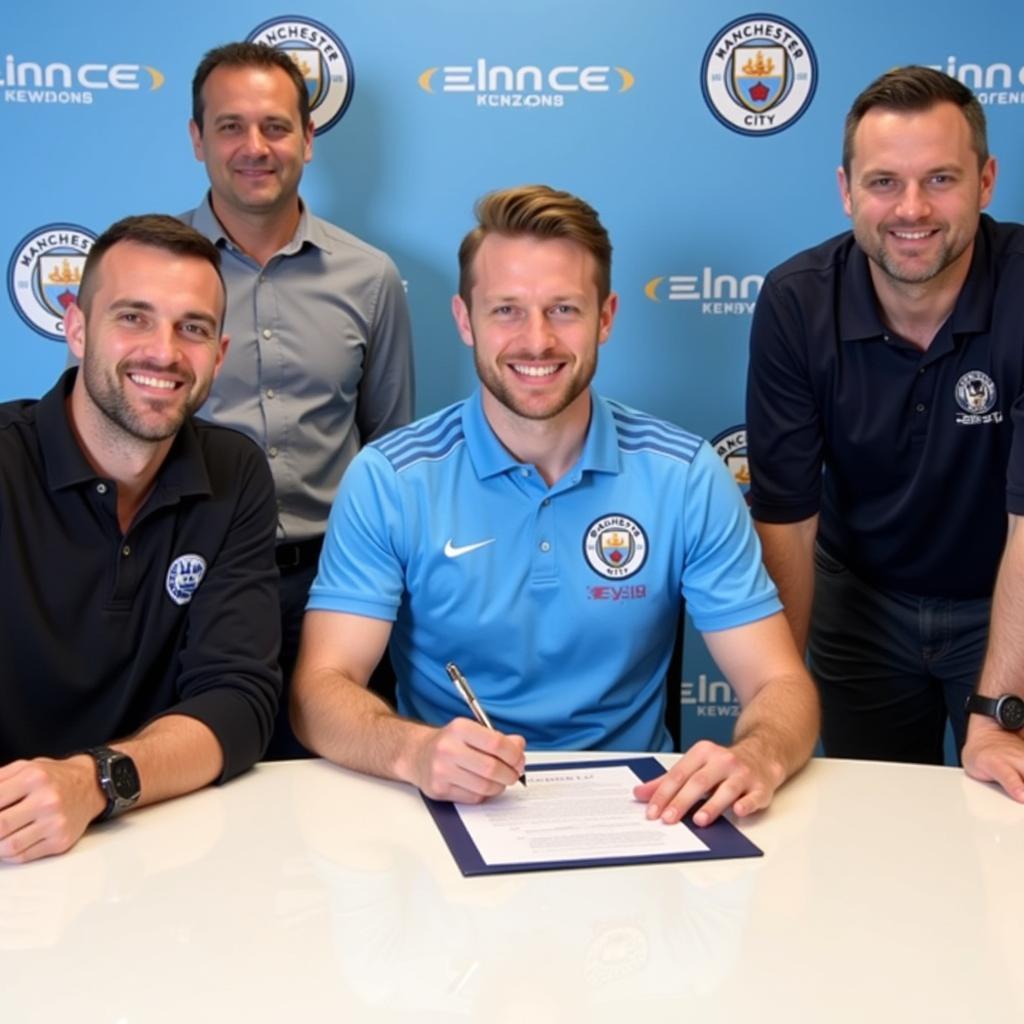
(462, 685)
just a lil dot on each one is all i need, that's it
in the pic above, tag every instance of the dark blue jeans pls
(293, 588)
(891, 668)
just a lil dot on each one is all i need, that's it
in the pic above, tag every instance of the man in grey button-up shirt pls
(320, 359)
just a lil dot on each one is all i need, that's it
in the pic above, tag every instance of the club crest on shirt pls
(615, 546)
(184, 576)
(976, 395)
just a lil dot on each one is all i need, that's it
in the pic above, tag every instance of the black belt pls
(300, 555)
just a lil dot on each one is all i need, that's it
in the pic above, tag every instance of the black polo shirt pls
(918, 448)
(101, 632)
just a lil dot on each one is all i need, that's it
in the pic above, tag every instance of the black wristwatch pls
(1007, 710)
(118, 778)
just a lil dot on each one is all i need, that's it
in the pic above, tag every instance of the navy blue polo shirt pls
(910, 457)
(102, 631)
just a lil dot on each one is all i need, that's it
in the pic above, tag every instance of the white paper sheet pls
(571, 814)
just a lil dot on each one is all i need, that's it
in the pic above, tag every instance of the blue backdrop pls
(706, 135)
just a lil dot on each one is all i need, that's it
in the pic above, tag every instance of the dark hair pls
(247, 55)
(541, 212)
(916, 88)
(157, 230)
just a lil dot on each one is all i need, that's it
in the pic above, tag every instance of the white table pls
(305, 892)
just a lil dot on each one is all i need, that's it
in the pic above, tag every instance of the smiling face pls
(252, 140)
(915, 192)
(150, 343)
(535, 324)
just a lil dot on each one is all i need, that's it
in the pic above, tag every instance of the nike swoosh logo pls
(453, 552)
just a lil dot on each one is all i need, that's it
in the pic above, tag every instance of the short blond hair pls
(540, 212)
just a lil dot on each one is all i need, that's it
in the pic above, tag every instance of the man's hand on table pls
(46, 806)
(992, 754)
(739, 778)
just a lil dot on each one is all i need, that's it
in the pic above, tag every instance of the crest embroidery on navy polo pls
(976, 395)
(615, 546)
(184, 576)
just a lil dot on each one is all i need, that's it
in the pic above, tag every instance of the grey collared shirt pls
(320, 360)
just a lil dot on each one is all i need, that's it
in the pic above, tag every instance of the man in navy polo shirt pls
(138, 614)
(886, 370)
(541, 537)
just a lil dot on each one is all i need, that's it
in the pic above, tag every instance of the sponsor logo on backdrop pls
(712, 698)
(528, 86)
(731, 447)
(62, 82)
(997, 84)
(615, 547)
(43, 275)
(714, 294)
(759, 74)
(323, 60)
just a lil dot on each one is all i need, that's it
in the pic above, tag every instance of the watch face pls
(124, 777)
(1011, 712)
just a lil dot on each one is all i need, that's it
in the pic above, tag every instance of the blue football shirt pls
(558, 603)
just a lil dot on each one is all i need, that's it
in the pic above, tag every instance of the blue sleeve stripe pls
(640, 432)
(433, 432)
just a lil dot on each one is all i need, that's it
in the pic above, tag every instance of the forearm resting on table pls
(780, 724)
(338, 718)
(174, 754)
(46, 804)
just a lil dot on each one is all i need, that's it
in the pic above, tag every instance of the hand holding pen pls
(462, 685)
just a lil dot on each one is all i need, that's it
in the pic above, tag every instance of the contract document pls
(576, 814)
(581, 812)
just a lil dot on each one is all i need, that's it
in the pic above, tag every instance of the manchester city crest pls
(731, 447)
(321, 58)
(44, 273)
(759, 74)
(615, 546)
(184, 576)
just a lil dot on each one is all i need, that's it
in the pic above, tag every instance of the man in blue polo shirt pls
(541, 537)
(893, 356)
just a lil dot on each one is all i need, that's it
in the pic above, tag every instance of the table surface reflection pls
(886, 893)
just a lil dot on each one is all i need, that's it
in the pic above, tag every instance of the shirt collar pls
(183, 471)
(309, 229)
(858, 306)
(491, 458)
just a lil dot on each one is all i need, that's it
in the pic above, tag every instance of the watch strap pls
(978, 705)
(1007, 709)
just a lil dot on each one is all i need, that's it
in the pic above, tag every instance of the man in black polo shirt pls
(892, 357)
(139, 602)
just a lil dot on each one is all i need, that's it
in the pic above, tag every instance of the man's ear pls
(609, 308)
(74, 330)
(197, 140)
(460, 311)
(844, 191)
